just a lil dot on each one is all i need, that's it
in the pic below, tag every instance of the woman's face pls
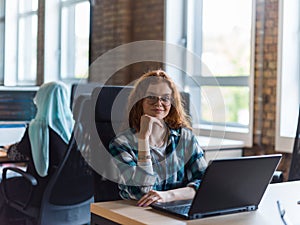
(158, 100)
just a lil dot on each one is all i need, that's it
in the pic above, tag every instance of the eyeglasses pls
(282, 214)
(165, 100)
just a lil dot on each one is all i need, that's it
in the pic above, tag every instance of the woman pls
(159, 156)
(43, 145)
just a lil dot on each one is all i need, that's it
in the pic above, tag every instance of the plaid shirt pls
(180, 164)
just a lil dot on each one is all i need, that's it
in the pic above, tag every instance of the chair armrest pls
(28, 177)
(24, 174)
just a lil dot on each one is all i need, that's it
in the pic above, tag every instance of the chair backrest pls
(110, 111)
(71, 183)
(108, 108)
(82, 89)
(294, 173)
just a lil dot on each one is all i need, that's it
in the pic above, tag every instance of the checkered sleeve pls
(196, 165)
(135, 179)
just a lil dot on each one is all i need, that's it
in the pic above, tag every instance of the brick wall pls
(40, 44)
(117, 22)
(266, 81)
(111, 25)
(265, 72)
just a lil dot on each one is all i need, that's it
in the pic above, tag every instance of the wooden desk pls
(126, 212)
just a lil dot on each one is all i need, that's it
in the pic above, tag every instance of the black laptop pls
(228, 186)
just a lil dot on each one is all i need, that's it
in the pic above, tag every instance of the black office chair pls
(294, 173)
(67, 197)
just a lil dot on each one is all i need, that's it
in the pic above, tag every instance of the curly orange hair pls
(176, 118)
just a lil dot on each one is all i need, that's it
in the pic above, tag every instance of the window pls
(67, 30)
(288, 80)
(20, 41)
(27, 41)
(66, 41)
(221, 34)
(74, 39)
(2, 30)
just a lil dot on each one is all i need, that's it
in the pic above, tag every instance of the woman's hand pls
(167, 196)
(153, 196)
(146, 125)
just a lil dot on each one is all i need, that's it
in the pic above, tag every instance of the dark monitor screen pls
(16, 104)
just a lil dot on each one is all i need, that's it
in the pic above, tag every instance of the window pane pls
(236, 101)
(1, 52)
(27, 54)
(75, 40)
(227, 36)
(28, 5)
(82, 31)
(2, 20)
(2, 10)
(67, 35)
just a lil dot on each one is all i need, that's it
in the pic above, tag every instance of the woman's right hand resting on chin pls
(146, 125)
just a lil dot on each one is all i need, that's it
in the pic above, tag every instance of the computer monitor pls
(16, 104)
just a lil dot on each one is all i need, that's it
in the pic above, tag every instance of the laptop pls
(228, 186)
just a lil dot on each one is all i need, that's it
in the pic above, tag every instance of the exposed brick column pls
(265, 74)
(40, 42)
(117, 22)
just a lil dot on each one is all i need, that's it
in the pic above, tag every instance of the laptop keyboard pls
(181, 209)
